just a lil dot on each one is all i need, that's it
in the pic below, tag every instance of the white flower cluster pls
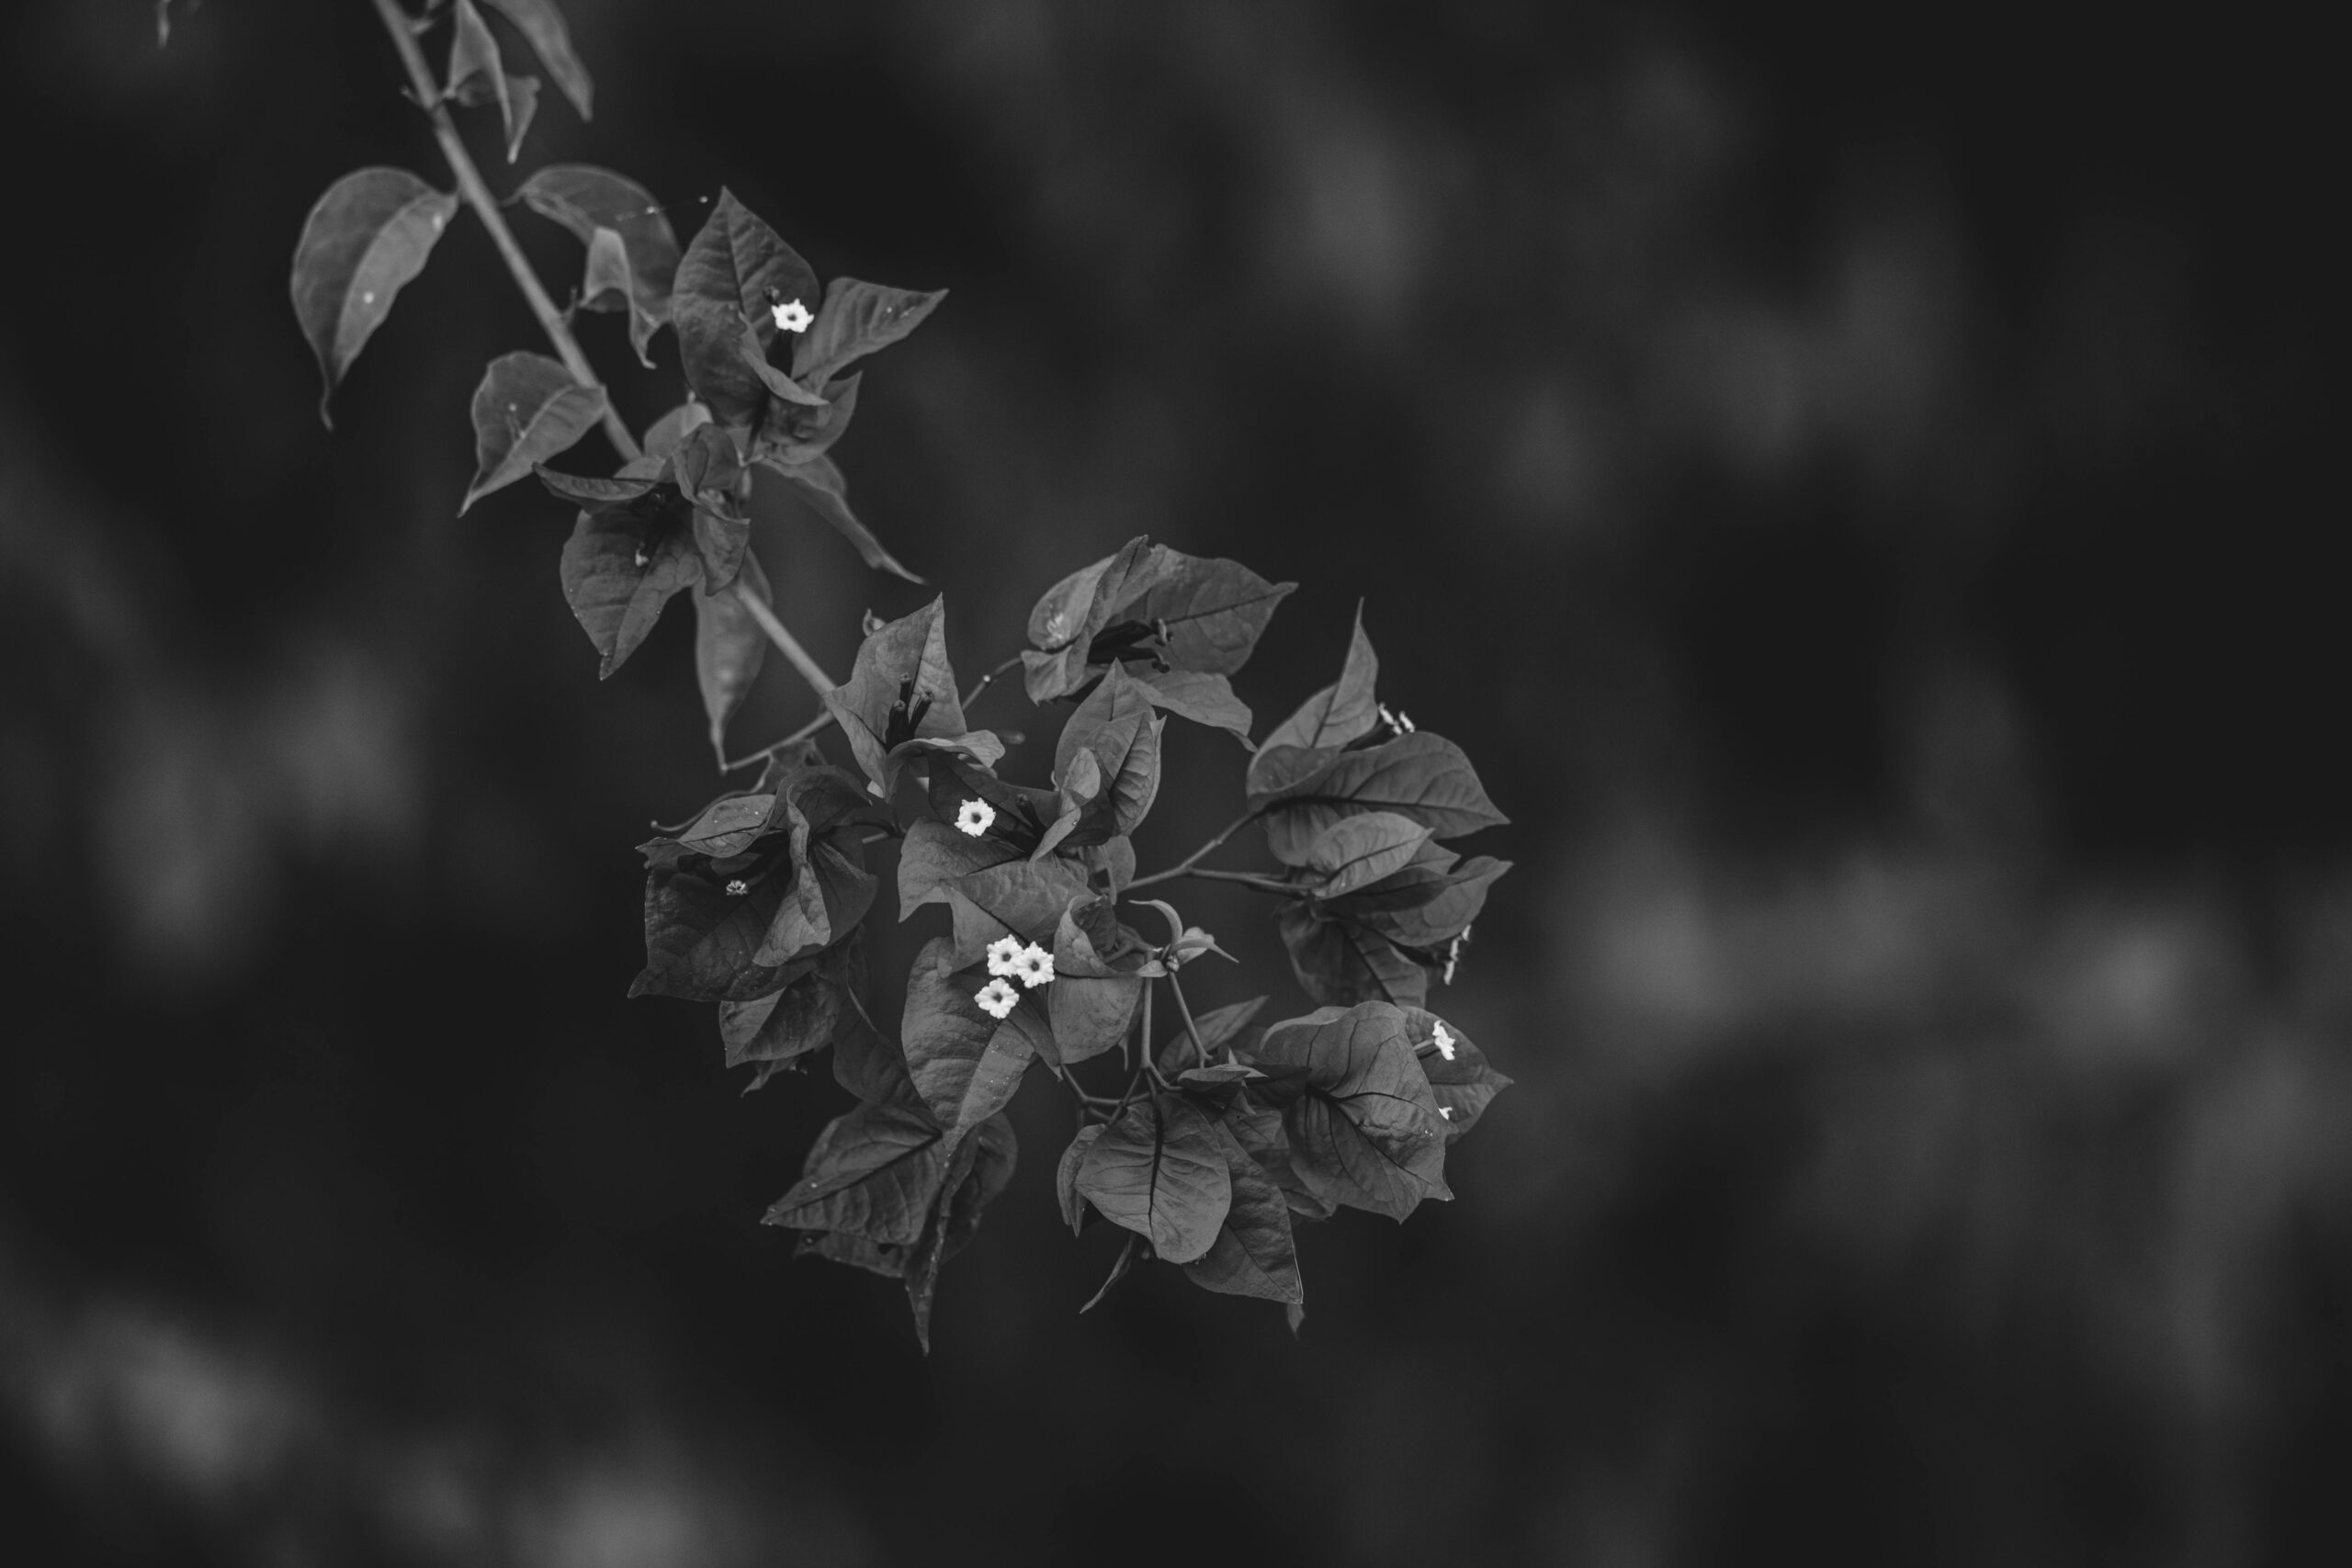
(792, 316)
(1443, 1040)
(1397, 720)
(1011, 959)
(738, 887)
(975, 817)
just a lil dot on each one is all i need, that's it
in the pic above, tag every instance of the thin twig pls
(1200, 1052)
(551, 321)
(1240, 878)
(982, 684)
(1185, 865)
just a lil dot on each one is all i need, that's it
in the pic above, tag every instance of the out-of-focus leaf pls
(728, 651)
(1421, 776)
(1365, 1118)
(585, 198)
(543, 25)
(368, 235)
(527, 410)
(478, 76)
(819, 482)
(1254, 1254)
(734, 270)
(965, 1064)
(1342, 712)
(1157, 1169)
(856, 319)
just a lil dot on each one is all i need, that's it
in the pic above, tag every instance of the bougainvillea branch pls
(1211, 1146)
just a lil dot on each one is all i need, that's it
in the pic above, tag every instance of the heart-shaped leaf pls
(369, 234)
(1365, 1118)
(1421, 776)
(543, 25)
(527, 410)
(1357, 850)
(632, 549)
(1157, 1169)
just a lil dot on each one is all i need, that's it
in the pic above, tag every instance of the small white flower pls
(975, 817)
(1034, 965)
(1446, 1112)
(738, 887)
(1453, 955)
(1443, 1040)
(996, 998)
(1397, 720)
(1004, 957)
(792, 316)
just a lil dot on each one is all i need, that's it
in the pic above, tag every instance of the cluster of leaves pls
(1204, 1140)
(1207, 1145)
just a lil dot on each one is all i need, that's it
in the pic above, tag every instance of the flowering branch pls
(397, 25)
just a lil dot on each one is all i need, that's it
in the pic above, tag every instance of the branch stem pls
(1200, 1052)
(1240, 878)
(982, 684)
(1184, 867)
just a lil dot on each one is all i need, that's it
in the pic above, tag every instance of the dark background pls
(1851, 482)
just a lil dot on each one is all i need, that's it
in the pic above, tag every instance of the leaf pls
(1424, 914)
(543, 25)
(873, 1173)
(368, 235)
(793, 433)
(1157, 1169)
(1464, 1085)
(981, 1167)
(1341, 962)
(900, 689)
(807, 1015)
(1024, 898)
(728, 825)
(1254, 1254)
(934, 855)
(733, 271)
(478, 76)
(729, 648)
(1217, 1026)
(1259, 1129)
(1073, 1207)
(819, 482)
(1092, 1002)
(965, 1064)
(1345, 711)
(1420, 775)
(527, 410)
(1115, 724)
(1204, 699)
(856, 319)
(632, 549)
(585, 198)
(1212, 611)
(1357, 850)
(1366, 1121)
(831, 889)
(661, 437)
(609, 283)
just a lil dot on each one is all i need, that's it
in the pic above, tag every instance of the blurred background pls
(1851, 482)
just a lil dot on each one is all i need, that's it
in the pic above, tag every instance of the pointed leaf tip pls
(527, 410)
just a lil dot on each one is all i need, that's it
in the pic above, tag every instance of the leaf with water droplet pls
(527, 410)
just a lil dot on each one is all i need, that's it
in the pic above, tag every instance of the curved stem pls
(1240, 878)
(982, 684)
(1184, 867)
(1200, 1052)
(552, 321)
